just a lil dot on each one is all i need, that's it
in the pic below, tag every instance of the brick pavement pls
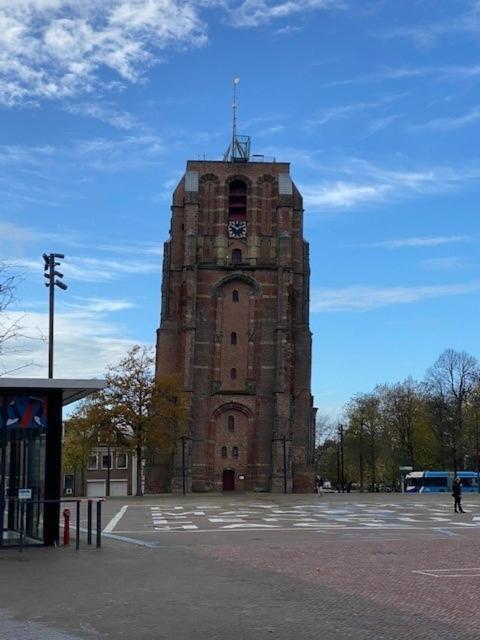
(381, 572)
(247, 584)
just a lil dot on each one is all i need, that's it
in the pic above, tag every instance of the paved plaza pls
(383, 566)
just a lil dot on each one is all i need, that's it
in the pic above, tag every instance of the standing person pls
(457, 495)
(319, 485)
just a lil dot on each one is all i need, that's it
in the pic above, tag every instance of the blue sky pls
(376, 104)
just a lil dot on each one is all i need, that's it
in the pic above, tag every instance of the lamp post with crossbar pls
(53, 280)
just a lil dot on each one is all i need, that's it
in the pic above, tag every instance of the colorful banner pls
(23, 412)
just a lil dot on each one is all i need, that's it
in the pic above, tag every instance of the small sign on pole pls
(24, 494)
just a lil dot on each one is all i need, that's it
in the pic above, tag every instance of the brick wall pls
(269, 396)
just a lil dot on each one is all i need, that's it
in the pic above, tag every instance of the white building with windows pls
(111, 471)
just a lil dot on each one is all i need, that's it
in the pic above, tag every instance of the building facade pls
(235, 325)
(110, 471)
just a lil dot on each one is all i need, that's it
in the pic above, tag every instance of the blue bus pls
(440, 481)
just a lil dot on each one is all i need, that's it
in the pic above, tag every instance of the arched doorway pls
(228, 480)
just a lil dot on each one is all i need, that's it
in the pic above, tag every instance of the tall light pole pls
(52, 276)
(342, 465)
(184, 470)
(284, 440)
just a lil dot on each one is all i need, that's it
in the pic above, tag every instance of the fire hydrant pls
(66, 526)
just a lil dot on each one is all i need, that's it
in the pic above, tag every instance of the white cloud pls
(51, 49)
(362, 182)
(114, 154)
(446, 72)
(426, 34)
(105, 113)
(366, 298)
(422, 241)
(342, 195)
(270, 131)
(344, 111)
(57, 48)
(450, 123)
(251, 13)
(87, 339)
(287, 31)
(452, 263)
(378, 124)
(86, 269)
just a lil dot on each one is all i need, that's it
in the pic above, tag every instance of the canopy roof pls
(72, 390)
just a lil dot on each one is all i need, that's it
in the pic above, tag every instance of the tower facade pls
(235, 326)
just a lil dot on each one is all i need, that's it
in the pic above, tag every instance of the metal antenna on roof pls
(239, 149)
(234, 120)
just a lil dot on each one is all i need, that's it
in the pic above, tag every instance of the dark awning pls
(72, 390)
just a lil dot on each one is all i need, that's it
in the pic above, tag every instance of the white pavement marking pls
(115, 520)
(470, 572)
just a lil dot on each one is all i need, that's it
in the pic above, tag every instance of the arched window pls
(224, 452)
(234, 295)
(233, 374)
(235, 452)
(236, 256)
(231, 423)
(233, 338)
(237, 200)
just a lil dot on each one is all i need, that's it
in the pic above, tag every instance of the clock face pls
(237, 229)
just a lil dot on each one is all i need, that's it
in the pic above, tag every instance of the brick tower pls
(235, 325)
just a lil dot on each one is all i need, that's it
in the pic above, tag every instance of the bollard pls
(77, 537)
(99, 524)
(66, 527)
(89, 522)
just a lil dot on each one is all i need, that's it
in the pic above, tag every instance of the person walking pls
(319, 485)
(457, 495)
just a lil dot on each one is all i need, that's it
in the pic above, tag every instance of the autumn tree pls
(81, 438)
(150, 412)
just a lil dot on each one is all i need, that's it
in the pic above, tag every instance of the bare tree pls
(10, 330)
(451, 383)
(324, 428)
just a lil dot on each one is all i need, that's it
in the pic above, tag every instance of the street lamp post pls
(342, 466)
(52, 276)
(109, 463)
(184, 475)
(284, 440)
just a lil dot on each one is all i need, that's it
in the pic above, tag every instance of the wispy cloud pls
(451, 263)
(425, 35)
(450, 123)
(114, 154)
(422, 241)
(379, 124)
(270, 131)
(85, 269)
(344, 111)
(287, 31)
(88, 337)
(343, 195)
(17, 238)
(445, 72)
(252, 13)
(105, 113)
(367, 298)
(362, 182)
